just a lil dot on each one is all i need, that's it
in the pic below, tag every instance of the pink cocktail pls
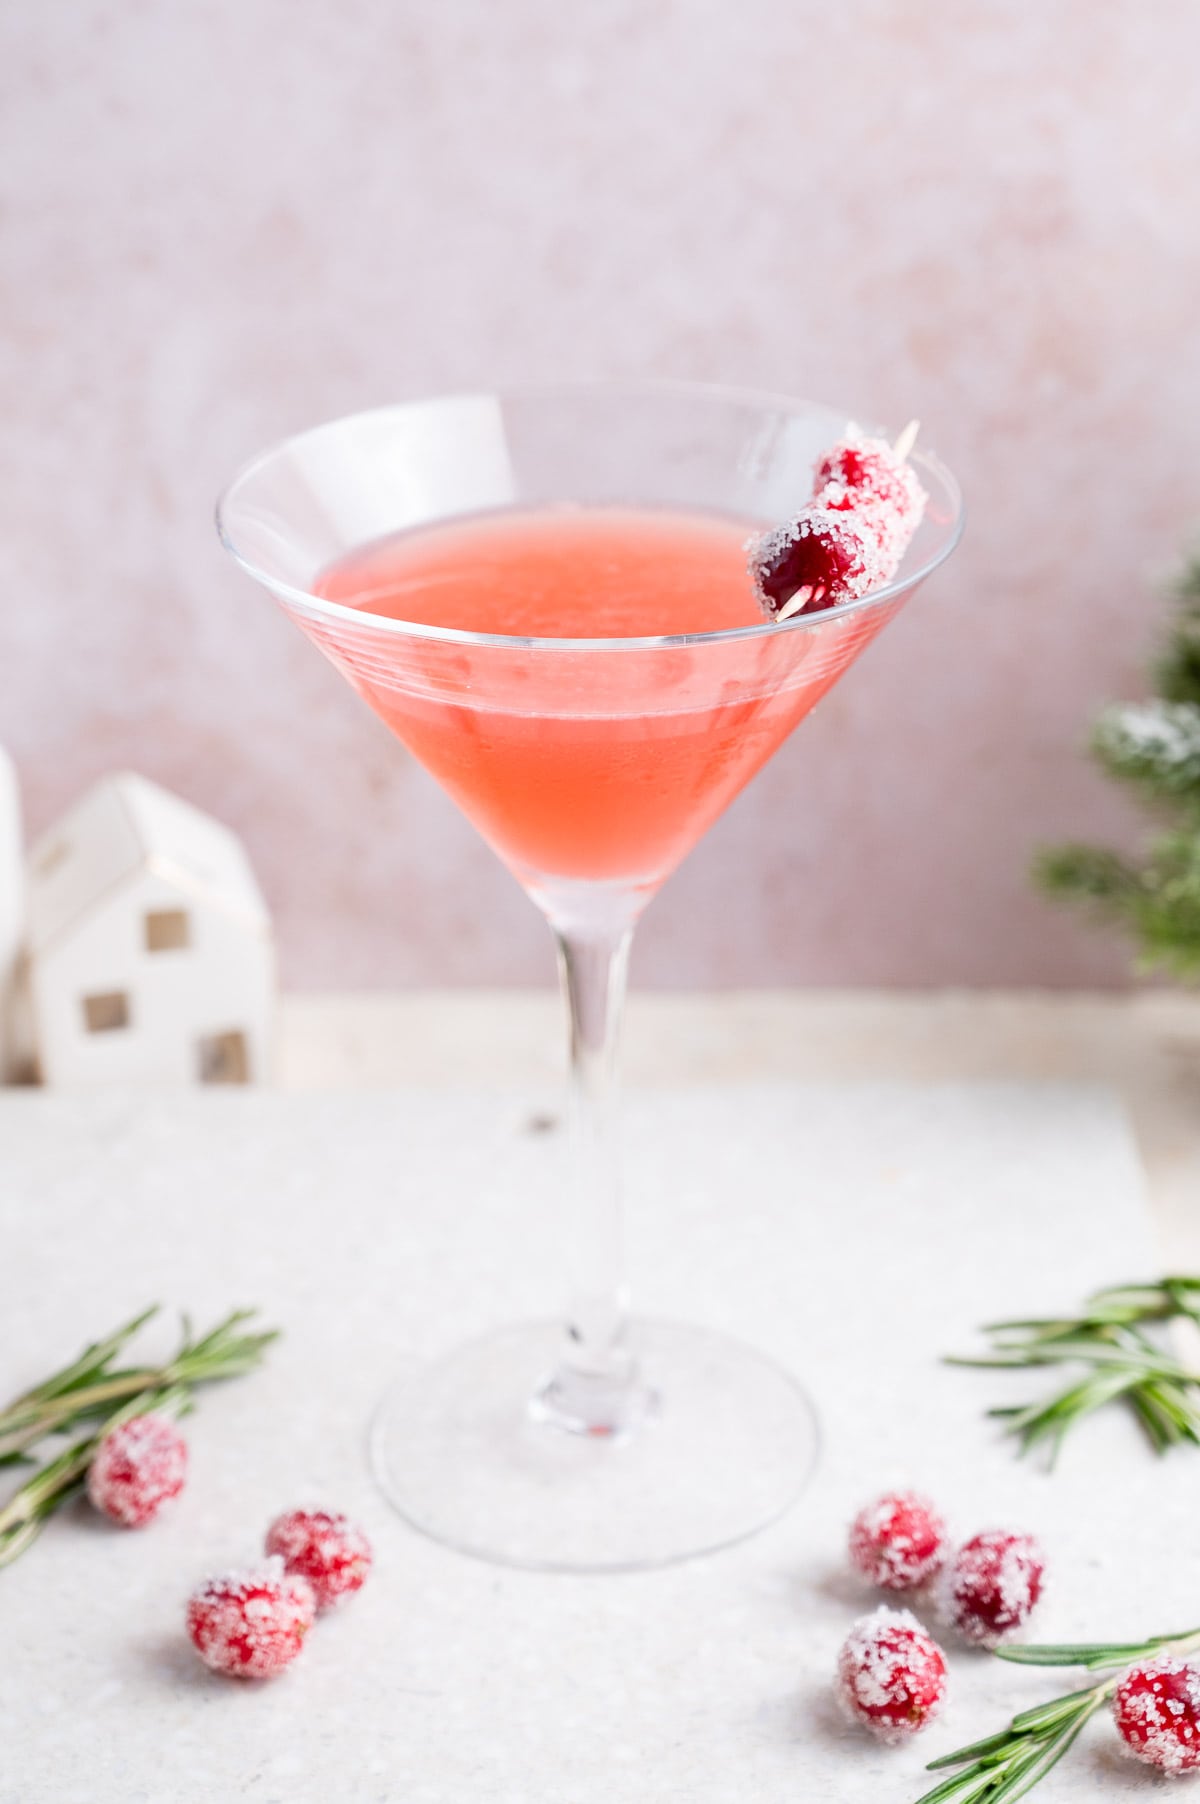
(615, 787)
(545, 596)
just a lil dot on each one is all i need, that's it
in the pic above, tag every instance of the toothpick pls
(796, 602)
(907, 440)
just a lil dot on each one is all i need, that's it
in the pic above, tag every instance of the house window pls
(104, 1014)
(167, 930)
(223, 1059)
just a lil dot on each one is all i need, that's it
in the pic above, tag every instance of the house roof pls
(125, 825)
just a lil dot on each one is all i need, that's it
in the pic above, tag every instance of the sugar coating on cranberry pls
(817, 560)
(867, 476)
(899, 1541)
(891, 1674)
(139, 1466)
(866, 472)
(251, 1624)
(324, 1547)
(1156, 1708)
(993, 1584)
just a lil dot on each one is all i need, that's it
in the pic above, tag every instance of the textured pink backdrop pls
(224, 219)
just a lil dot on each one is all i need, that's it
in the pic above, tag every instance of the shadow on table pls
(1114, 1773)
(173, 1662)
(810, 1714)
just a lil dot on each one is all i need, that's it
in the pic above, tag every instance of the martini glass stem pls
(595, 1389)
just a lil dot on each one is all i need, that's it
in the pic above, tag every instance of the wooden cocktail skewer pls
(804, 594)
(906, 440)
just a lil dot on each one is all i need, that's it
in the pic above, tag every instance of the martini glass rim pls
(318, 606)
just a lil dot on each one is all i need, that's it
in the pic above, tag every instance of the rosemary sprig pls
(93, 1393)
(1115, 1358)
(1007, 1765)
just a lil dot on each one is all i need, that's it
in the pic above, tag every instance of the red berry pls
(865, 475)
(993, 1583)
(891, 1675)
(834, 556)
(251, 1624)
(325, 1548)
(869, 474)
(1157, 1712)
(899, 1541)
(137, 1468)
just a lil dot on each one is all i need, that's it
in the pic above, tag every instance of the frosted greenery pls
(1153, 747)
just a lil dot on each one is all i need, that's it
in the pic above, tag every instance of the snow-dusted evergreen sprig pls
(1154, 748)
(95, 1393)
(1153, 744)
(1115, 1357)
(1157, 901)
(1009, 1764)
(1175, 673)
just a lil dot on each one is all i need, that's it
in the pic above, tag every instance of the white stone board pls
(854, 1232)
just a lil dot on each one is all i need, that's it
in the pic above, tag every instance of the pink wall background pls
(221, 220)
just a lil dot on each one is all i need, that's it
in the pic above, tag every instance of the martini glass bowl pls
(591, 764)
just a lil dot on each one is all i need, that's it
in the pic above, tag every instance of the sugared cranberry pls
(818, 559)
(866, 476)
(891, 1674)
(251, 1624)
(899, 1541)
(138, 1467)
(1157, 1712)
(993, 1584)
(865, 472)
(323, 1547)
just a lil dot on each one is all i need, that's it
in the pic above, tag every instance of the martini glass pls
(481, 568)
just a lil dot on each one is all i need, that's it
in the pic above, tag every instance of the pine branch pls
(1154, 748)
(1186, 586)
(1153, 745)
(1090, 874)
(1169, 917)
(1175, 673)
(1158, 903)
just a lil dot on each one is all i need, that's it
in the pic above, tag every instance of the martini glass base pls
(464, 1453)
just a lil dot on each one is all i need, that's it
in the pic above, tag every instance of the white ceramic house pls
(150, 953)
(12, 915)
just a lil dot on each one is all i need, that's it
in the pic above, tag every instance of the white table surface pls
(1145, 1046)
(854, 1233)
